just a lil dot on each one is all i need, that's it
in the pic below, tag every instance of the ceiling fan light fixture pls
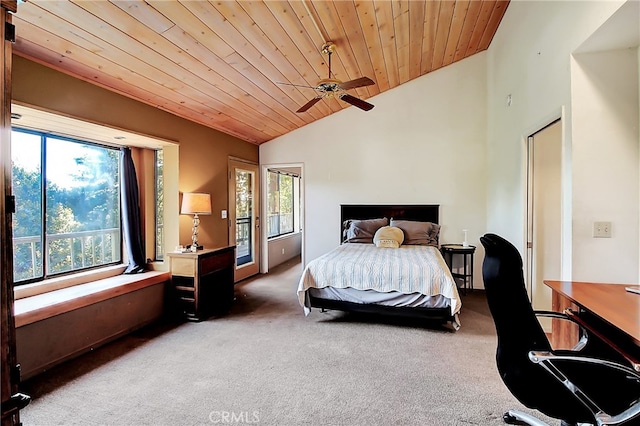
(328, 85)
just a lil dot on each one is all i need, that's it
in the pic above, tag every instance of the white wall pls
(423, 143)
(529, 59)
(284, 248)
(606, 179)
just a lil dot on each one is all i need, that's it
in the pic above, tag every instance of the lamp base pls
(191, 247)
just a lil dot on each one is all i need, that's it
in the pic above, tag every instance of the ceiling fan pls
(331, 87)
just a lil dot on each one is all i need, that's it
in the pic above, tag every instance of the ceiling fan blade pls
(356, 102)
(358, 82)
(309, 104)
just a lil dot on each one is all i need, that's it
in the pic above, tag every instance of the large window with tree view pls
(67, 205)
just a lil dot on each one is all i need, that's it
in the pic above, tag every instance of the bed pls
(367, 273)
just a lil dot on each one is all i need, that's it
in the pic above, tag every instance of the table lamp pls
(195, 203)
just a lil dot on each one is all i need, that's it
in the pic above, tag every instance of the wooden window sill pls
(42, 306)
(57, 283)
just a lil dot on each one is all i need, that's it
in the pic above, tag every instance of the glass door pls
(244, 222)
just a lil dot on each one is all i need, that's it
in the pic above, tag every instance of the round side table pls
(464, 275)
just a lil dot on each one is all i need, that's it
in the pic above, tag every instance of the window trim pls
(70, 280)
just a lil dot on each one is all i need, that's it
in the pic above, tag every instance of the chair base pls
(513, 417)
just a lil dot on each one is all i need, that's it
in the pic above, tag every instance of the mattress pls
(391, 298)
(411, 275)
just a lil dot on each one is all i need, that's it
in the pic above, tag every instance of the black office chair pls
(590, 384)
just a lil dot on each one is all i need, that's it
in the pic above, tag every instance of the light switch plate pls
(224, 214)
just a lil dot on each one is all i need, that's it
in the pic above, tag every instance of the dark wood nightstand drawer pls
(214, 263)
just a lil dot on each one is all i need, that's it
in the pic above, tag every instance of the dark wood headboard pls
(419, 212)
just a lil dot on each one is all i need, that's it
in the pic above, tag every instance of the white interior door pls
(244, 220)
(544, 242)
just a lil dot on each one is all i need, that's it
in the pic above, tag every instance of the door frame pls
(544, 215)
(264, 169)
(565, 190)
(251, 268)
(12, 400)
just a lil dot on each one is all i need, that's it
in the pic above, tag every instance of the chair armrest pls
(584, 335)
(552, 314)
(541, 356)
(546, 359)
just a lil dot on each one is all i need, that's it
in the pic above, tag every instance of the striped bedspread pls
(408, 269)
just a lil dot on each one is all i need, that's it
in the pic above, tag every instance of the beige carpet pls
(266, 363)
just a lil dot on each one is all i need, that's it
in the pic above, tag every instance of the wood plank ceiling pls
(219, 63)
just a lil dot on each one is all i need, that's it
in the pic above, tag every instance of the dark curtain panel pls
(131, 221)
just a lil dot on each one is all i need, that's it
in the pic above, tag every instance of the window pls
(282, 200)
(244, 216)
(159, 193)
(67, 205)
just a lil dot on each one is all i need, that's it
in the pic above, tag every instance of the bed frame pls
(418, 212)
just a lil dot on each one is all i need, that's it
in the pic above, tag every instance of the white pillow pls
(388, 236)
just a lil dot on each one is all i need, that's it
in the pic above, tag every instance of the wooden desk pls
(608, 305)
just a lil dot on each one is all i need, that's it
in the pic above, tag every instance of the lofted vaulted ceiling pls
(220, 63)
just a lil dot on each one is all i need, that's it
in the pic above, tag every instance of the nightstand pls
(465, 275)
(203, 281)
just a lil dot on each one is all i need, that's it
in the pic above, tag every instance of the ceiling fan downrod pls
(328, 49)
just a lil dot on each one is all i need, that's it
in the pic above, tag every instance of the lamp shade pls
(196, 203)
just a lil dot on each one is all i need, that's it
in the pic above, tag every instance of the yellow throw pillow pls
(388, 236)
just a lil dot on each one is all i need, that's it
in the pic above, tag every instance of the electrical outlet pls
(601, 229)
(282, 251)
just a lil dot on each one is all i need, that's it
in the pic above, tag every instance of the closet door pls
(544, 213)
